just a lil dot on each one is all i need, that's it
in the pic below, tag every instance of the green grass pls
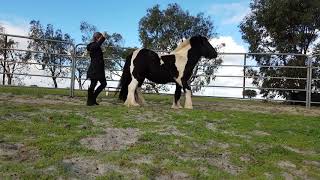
(199, 143)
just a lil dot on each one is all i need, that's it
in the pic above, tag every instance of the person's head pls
(96, 36)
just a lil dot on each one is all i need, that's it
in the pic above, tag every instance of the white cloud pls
(231, 13)
(230, 47)
(16, 28)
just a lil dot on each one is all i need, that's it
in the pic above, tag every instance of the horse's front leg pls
(131, 101)
(176, 100)
(187, 90)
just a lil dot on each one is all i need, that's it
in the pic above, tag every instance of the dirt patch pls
(148, 115)
(247, 158)
(17, 116)
(236, 134)
(17, 152)
(299, 151)
(312, 163)
(143, 160)
(95, 121)
(222, 161)
(90, 168)
(114, 139)
(174, 175)
(286, 164)
(260, 133)
(171, 130)
(292, 169)
(218, 144)
(268, 175)
(287, 176)
(49, 99)
(219, 160)
(211, 126)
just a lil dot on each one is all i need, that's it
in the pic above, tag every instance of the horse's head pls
(203, 47)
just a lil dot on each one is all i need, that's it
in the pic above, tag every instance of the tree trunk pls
(4, 60)
(55, 82)
(80, 84)
(9, 79)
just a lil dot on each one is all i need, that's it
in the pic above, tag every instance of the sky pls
(123, 17)
(116, 15)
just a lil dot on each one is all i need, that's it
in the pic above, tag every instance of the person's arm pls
(97, 44)
(101, 40)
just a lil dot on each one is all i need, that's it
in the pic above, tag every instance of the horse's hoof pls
(136, 104)
(188, 107)
(131, 104)
(174, 107)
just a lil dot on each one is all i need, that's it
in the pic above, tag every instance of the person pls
(96, 69)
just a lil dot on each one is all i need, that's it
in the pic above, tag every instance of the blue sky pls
(121, 16)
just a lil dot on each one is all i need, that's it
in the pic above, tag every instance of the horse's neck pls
(182, 49)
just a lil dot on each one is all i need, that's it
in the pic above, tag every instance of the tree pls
(249, 93)
(165, 29)
(12, 61)
(53, 62)
(112, 49)
(290, 26)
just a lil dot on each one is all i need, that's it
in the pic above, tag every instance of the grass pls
(219, 139)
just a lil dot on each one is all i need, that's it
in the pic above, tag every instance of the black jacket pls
(96, 68)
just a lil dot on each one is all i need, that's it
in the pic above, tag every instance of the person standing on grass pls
(96, 69)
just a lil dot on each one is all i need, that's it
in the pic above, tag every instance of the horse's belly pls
(160, 77)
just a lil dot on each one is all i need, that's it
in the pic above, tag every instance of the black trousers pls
(95, 93)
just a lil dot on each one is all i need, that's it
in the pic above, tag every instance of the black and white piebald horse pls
(175, 67)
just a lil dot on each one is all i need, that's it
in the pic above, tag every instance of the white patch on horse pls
(181, 56)
(161, 62)
(134, 55)
(130, 101)
(176, 105)
(188, 102)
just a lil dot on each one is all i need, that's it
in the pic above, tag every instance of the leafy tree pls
(290, 26)
(53, 62)
(249, 93)
(11, 61)
(164, 29)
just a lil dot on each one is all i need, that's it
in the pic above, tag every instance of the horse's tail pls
(125, 79)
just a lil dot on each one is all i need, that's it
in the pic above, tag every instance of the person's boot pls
(90, 100)
(94, 99)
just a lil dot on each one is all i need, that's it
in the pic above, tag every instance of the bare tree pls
(55, 54)
(12, 61)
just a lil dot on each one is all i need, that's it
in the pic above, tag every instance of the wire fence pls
(75, 63)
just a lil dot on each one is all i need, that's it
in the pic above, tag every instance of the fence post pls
(73, 69)
(309, 82)
(244, 75)
(4, 60)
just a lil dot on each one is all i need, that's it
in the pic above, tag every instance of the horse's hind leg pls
(176, 101)
(139, 98)
(131, 101)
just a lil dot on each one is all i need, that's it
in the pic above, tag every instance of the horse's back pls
(147, 64)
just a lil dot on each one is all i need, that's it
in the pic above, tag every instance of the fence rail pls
(74, 58)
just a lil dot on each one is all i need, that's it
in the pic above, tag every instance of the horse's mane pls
(184, 44)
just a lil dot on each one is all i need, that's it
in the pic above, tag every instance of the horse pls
(176, 67)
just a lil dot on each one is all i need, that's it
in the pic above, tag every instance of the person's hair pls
(96, 35)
